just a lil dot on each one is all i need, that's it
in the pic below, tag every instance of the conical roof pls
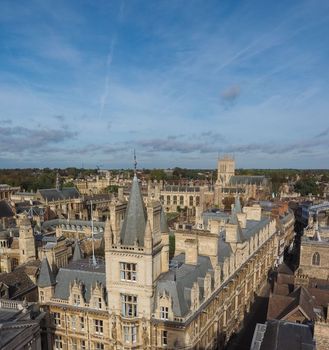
(77, 255)
(46, 277)
(163, 222)
(133, 227)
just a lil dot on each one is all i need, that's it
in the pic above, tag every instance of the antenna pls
(94, 262)
(135, 162)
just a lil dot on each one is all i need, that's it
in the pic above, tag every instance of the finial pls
(135, 163)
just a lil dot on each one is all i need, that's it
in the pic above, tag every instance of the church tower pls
(135, 258)
(26, 241)
(225, 170)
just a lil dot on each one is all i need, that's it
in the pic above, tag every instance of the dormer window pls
(76, 299)
(98, 302)
(164, 313)
(128, 272)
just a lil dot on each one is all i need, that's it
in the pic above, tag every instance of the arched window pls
(316, 259)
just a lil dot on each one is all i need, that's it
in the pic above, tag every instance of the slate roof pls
(247, 180)
(134, 224)
(178, 281)
(46, 277)
(5, 210)
(282, 335)
(181, 188)
(81, 271)
(54, 194)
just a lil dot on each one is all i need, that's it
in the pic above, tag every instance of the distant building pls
(6, 191)
(229, 184)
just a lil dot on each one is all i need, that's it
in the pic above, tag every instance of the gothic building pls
(137, 299)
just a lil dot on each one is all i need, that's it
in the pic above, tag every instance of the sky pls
(84, 83)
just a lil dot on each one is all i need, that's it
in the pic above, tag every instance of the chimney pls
(242, 218)
(191, 251)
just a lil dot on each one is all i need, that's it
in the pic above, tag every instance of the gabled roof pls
(54, 194)
(46, 277)
(280, 306)
(133, 227)
(89, 276)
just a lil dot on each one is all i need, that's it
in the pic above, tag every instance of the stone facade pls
(140, 301)
(314, 258)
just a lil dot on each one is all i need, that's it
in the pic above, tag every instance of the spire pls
(133, 227)
(46, 277)
(77, 255)
(163, 222)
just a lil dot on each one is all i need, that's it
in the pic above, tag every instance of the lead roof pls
(134, 224)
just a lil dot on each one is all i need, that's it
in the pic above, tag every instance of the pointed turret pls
(77, 255)
(317, 236)
(133, 227)
(237, 205)
(46, 277)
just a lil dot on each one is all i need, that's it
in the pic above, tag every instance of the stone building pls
(20, 325)
(176, 197)
(65, 202)
(137, 299)
(6, 191)
(314, 256)
(229, 184)
(17, 246)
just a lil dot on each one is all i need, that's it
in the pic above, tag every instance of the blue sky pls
(86, 82)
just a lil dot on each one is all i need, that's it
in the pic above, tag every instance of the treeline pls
(34, 179)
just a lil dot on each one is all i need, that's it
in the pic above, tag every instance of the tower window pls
(316, 259)
(128, 272)
(130, 333)
(129, 305)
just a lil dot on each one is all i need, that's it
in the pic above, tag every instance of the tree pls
(306, 186)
